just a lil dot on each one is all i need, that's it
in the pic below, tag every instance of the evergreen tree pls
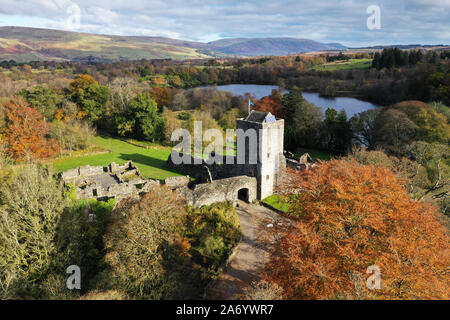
(336, 132)
(376, 61)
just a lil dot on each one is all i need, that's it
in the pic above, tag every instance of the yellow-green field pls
(343, 65)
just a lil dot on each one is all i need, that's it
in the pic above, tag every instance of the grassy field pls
(276, 202)
(343, 65)
(151, 160)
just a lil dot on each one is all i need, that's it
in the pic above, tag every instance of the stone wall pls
(73, 175)
(270, 160)
(220, 191)
(114, 181)
(177, 182)
(218, 170)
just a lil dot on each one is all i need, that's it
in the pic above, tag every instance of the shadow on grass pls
(140, 159)
(146, 160)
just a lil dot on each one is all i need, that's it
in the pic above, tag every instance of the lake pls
(351, 105)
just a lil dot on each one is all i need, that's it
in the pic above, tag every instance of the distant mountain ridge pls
(405, 46)
(24, 44)
(270, 46)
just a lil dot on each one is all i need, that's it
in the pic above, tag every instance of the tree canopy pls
(141, 242)
(25, 133)
(141, 119)
(350, 217)
(89, 96)
(31, 204)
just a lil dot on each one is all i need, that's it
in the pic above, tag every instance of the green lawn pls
(151, 161)
(342, 65)
(276, 202)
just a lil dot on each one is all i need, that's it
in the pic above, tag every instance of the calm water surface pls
(351, 105)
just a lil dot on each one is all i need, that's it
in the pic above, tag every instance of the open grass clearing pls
(150, 160)
(343, 65)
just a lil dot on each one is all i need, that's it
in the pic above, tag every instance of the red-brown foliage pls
(163, 96)
(271, 104)
(25, 134)
(349, 217)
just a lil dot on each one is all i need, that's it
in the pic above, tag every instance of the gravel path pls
(252, 253)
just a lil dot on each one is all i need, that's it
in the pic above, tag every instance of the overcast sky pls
(402, 21)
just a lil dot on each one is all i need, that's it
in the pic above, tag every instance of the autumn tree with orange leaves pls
(271, 104)
(25, 134)
(163, 96)
(349, 217)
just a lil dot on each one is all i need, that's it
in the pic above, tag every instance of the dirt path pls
(252, 253)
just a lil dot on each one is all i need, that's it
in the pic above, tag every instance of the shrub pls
(213, 230)
(427, 177)
(74, 135)
(263, 290)
(104, 295)
(32, 203)
(171, 124)
(441, 108)
(432, 126)
(141, 245)
(79, 239)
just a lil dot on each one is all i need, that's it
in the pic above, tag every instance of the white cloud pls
(431, 3)
(404, 21)
(102, 15)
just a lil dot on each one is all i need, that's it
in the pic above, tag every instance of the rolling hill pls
(269, 46)
(29, 44)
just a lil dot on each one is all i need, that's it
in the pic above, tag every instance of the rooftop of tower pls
(260, 116)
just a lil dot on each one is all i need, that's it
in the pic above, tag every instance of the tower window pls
(267, 177)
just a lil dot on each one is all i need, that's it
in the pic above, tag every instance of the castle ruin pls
(256, 177)
(116, 181)
(263, 155)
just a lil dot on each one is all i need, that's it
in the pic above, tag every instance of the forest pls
(396, 156)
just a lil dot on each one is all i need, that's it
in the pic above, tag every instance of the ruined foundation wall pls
(114, 181)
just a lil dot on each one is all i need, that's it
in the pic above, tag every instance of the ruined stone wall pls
(266, 181)
(73, 175)
(220, 191)
(218, 170)
(177, 182)
(116, 181)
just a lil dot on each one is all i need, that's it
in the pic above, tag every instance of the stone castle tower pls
(269, 149)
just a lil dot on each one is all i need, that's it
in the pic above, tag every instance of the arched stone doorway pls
(243, 194)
